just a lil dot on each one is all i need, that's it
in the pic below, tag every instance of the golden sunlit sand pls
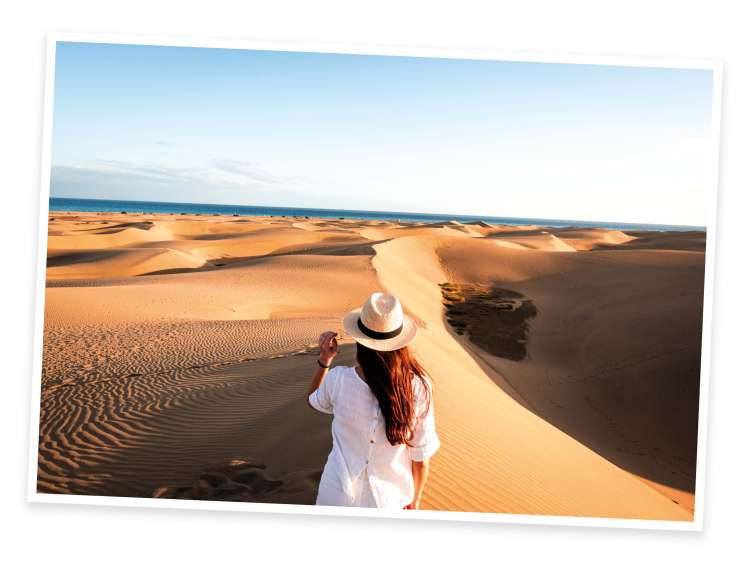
(178, 349)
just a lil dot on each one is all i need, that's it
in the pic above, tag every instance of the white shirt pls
(361, 453)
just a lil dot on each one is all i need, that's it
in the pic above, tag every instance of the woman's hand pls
(329, 347)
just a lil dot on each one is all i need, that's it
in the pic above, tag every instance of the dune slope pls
(497, 456)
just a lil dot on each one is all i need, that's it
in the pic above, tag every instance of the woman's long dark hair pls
(390, 375)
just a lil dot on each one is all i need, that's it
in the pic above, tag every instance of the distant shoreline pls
(81, 205)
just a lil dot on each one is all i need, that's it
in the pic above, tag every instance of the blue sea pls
(118, 206)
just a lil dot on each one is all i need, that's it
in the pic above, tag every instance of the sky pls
(378, 133)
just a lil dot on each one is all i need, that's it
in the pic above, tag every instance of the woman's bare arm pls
(329, 347)
(420, 470)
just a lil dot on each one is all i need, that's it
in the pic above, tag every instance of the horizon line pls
(383, 212)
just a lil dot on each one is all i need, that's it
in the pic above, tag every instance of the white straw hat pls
(380, 324)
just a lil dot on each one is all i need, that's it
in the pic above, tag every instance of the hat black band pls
(374, 334)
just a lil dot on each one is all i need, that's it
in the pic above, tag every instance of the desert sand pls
(178, 349)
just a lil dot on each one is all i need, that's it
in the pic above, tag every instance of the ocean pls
(118, 206)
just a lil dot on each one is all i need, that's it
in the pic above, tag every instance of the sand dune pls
(538, 240)
(99, 238)
(165, 246)
(454, 225)
(602, 365)
(91, 264)
(189, 382)
(540, 465)
(153, 434)
(680, 241)
(587, 239)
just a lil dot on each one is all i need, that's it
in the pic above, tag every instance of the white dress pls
(363, 468)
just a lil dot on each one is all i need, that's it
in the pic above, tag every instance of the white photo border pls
(711, 203)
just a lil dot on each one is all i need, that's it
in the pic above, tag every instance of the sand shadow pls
(243, 480)
(496, 319)
(591, 396)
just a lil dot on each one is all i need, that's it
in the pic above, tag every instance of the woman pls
(383, 422)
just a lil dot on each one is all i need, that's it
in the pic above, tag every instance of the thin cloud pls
(219, 173)
(236, 179)
(251, 171)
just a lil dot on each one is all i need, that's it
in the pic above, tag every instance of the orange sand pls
(178, 349)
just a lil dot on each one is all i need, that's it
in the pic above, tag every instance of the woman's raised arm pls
(329, 347)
